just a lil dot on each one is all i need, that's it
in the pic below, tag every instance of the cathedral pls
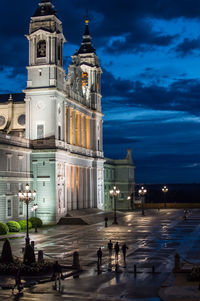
(51, 134)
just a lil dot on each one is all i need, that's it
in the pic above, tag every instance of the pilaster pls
(74, 189)
(80, 197)
(74, 127)
(69, 203)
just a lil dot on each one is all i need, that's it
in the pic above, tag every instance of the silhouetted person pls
(106, 222)
(124, 248)
(116, 250)
(99, 256)
(57, 274)
(18, 282)
(110, 247)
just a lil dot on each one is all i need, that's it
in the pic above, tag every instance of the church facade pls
(51, 134)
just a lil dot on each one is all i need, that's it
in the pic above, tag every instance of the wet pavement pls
(152, 240)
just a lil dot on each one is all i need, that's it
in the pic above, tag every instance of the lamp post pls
(142, 191)
(114, 193)
(165, 190)
(27, 197)
(35, 208)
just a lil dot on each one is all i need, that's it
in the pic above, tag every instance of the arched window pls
(41, 48)
(84, 79)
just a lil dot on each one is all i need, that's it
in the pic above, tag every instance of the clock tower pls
(46, 75)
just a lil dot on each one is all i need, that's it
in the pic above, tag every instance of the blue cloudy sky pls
(150, 56)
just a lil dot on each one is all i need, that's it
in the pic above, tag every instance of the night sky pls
(149, 52)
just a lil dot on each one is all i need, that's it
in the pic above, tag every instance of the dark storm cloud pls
(114, 19)
(181, 95)
(116, 140)
(140, 42)
(188, 46)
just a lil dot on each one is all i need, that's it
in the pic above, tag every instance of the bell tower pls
(85, 64)
(46, 75)
(46, 41)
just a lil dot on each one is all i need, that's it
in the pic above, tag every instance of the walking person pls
(99, 256)
(110, 247)
(124, 248)
(57, 274)
(106, 222)
(18, 282)
(116, 250)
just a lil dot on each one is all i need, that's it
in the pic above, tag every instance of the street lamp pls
(142, 191)
(114, 193)
(35, 208)
(165, 190)
(27, 197)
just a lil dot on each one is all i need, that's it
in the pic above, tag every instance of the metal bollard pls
(153, 269)
(135, 269)
(76, 262)
(177, 263)
(40, 256)
(33, 244)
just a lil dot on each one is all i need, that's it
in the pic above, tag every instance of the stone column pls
(74, 127)
(53, 58)
(91, 195)
(74, 189)
(86, 188)
(80, 197)
(69, 201)
(91, 134)
(78, 129)
(84, 131)
(68, 125)
(101, 135)
(34, 50)
(71, 126)
(65, 187)
(48, 50)
(88, 132)
(30, 51)
(65, 124)
(80, 135)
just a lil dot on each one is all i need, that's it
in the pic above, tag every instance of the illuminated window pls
(84, 79)
(41, 48)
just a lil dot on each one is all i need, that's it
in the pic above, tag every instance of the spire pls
(86, 45)
(46, 8)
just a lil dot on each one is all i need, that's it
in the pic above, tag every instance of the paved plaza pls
(152, 240)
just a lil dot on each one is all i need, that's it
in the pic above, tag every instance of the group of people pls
(112, 247)
(57, 277)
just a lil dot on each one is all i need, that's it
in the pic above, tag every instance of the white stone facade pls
(61, 141)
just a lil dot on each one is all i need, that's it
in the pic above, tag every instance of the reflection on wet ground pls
(152, 240)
